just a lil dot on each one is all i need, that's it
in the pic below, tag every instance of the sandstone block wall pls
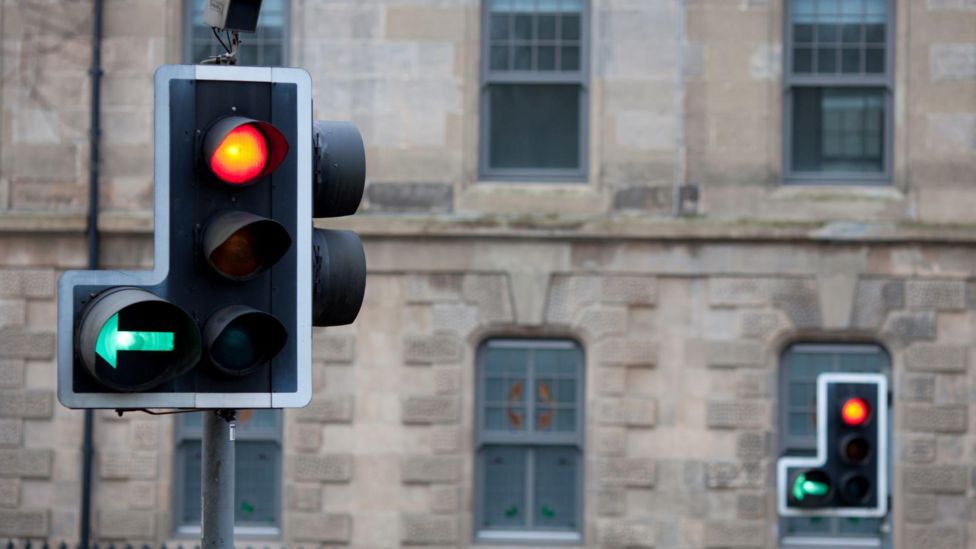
(682, 322)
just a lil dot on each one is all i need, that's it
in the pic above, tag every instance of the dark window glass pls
(523, 27)
(851, 60)
(499, 58)
(802, 60)
(547, 27)
(523, 58)
(257, 473)
(851, 33)
(802, 33)
(255, 482)
(570, 60)
(875, 33)
(838, 129)
(539, 28)
(534, 85)
(838, 98)
(838, 31)
(547, 58)
(190, 455)
(534, 126)
(570, 27)
(555, 487)
(529, 440)
(826, 60)
(505, 473)
(501, 27)
(874, 61)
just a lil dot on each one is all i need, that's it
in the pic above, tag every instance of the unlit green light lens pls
(235, 349)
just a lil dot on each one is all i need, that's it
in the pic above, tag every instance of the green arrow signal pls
(110, 341)
(803, 487)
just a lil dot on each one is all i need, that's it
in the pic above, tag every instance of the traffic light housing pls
(848, 475)
(224, 318)
(339, 261)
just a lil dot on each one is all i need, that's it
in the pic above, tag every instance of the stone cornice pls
(620, 227)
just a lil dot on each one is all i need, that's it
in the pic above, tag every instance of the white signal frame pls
(161, 260)
(785, 464)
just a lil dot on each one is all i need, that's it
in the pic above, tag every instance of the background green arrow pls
(802, 487)
(110, 341)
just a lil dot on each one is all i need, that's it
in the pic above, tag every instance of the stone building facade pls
(684, 321)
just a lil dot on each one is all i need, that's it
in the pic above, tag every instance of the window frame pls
(794, 445)
(529, 441)
(186, 46)
(885, 82)
(488, 78)
(183, 433)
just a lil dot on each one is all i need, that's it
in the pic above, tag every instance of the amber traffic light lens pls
(856, 449)
(240, 245)
(238, 255)
(855, 412)
(241, 156)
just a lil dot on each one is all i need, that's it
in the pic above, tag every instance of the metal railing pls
(47, 544)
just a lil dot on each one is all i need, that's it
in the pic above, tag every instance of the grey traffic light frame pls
(786, 464)
(161, 260)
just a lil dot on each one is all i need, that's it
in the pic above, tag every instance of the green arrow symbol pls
(802, 487)
(110, 341)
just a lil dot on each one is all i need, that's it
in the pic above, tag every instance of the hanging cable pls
(219, 40)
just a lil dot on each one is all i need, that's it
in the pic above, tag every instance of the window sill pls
(510, 537)
(269, 533)
(837, 191)
(527, 183)
(802, 542)
(533, 180)
(851, 181)
(493, 197)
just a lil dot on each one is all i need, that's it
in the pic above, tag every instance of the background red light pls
(854, 411)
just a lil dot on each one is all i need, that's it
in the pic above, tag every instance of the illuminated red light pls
(855, 411)
(241, 156)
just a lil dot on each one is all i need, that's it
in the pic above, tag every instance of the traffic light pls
(240, 275)
(848, 475)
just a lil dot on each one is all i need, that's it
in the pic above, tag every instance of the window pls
(267, 46)
(257, 477)
(839, 85)
(798, 427)
(534, 105)
(529, 441)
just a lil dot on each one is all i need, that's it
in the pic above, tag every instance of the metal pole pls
(217, 486)
(94, 136)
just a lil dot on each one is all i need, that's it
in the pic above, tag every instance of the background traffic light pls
(224, 318)
(848, 476)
